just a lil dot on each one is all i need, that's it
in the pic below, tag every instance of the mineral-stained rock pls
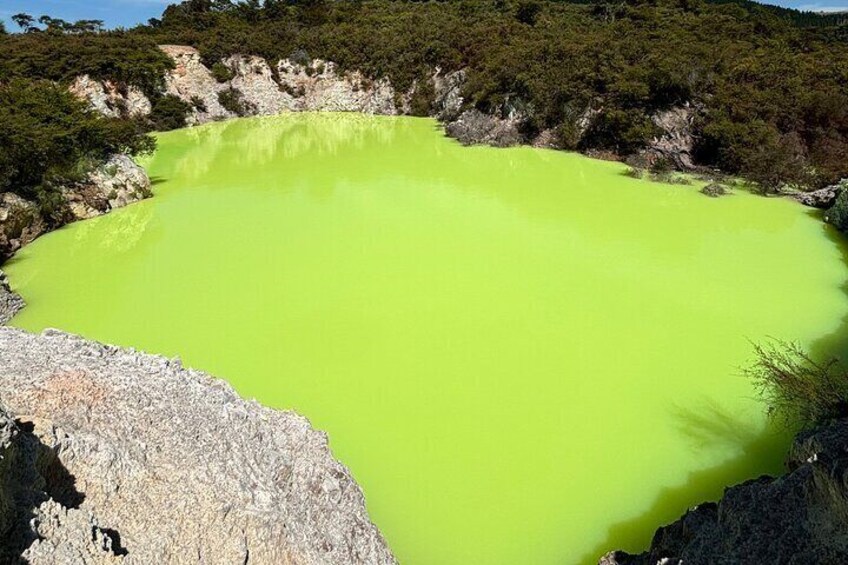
(192, 81)
(801, 517)
(253, 78)
(115, 183)
(318, 86)
(10, 302)
(169, 465)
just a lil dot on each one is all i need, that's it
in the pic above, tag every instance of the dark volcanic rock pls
(799, 518)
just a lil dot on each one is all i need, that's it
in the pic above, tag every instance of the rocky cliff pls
(255, 86)
(117, 456)
(115, 183)
(800, 517)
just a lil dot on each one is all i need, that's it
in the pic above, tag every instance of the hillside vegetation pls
(769, 83)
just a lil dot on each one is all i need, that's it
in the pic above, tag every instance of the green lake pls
(523, 355)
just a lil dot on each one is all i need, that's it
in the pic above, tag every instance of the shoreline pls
(1, 298)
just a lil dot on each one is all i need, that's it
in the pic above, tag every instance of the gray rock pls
(799, 518)
(114, 184)
(821, 198)
(20, 223)
(40, 522)
(447, 88)
(191, 81)
(172, 466)
(10, 302)
(111, 99)
(473, 126)
(677, 141)
(319, 86)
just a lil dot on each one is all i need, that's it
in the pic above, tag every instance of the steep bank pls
(120, 456)
(113, 184)
(250, 85)
(800, 517)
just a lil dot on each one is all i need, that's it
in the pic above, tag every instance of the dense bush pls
(773, 94)
(49, 138)
(796, 387)
(233, 101)
(837, 215)
(120, 56)
(221, 72)
(168, 112)
(769, 83)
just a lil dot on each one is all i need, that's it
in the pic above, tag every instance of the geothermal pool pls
(522, 355)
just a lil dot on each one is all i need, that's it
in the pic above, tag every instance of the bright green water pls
(523, 355)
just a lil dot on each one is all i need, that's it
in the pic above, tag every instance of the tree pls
(24, 21)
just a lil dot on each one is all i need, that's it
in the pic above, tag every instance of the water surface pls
(523, 355)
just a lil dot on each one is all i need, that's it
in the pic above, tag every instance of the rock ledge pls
(156, 463)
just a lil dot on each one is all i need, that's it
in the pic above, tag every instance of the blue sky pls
(130, 12)
(115, 13)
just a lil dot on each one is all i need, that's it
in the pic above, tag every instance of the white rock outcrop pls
(134, 458)
(111, 99)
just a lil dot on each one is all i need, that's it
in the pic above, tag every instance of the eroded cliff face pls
(271, 87)
(115, 183)
(122, 456)
(111, 99)
(800, 517)
(288, 87)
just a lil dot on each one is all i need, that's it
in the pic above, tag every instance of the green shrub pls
(796, 387)
(48, 138)
(233, 101)
(169, 112)
(837, 215)
(222, 72)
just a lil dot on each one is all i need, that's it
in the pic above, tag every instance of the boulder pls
(473, 127)
(822, 198)
(20, 223)
(10, 302)
(114, 184)
(162, 464)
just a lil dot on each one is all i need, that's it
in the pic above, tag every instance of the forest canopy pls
(769, 83)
